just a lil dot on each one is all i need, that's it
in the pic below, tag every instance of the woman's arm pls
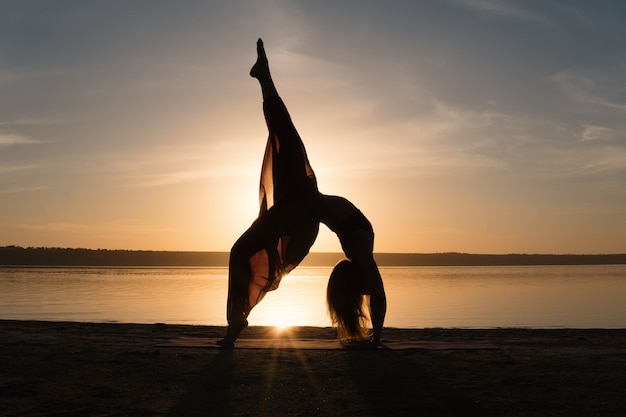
(378, 307)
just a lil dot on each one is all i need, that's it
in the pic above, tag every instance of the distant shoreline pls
(19, 256)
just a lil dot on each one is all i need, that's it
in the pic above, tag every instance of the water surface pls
(418, 297)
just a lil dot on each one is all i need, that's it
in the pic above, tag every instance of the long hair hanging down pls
(345, 300)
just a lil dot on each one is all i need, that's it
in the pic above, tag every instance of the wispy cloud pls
(16, 190)
(18, 140)
(582, 162)
(166, 165)
(455, 130)
(171, 178)
(33, 121)
(592, 133)
(118, 227)
(13, 168)
(446, 140)
(584, 90)
(9, 171)
(503, 9)
(8, 77)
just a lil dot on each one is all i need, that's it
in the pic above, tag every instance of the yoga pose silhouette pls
(291, 208)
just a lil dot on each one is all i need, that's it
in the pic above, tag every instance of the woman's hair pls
(345, 300)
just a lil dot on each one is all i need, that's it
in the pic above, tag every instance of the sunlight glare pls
(294, 304)
(242, 205)
(273, 315)
(281, 329)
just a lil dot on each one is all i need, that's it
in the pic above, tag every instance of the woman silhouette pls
(287, 226)
(288, 220)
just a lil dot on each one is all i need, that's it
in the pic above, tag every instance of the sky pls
(476, 126)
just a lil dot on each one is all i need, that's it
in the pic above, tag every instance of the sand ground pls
(86, 369)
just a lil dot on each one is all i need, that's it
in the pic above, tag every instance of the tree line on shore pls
(46, 256)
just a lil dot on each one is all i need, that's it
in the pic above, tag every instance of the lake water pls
(418, 297)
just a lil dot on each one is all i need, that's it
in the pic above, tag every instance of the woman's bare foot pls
(261, 68)
(224, 343)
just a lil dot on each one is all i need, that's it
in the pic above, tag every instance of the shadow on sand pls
(392, 385)
(208, 393)
(319, 383)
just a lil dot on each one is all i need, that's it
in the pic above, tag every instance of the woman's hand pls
(360, 344)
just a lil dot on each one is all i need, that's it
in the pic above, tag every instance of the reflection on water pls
(529, 296)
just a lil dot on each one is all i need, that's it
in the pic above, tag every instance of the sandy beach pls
(86, 369)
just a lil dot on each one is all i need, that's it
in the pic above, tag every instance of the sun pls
(282, 329)
(275, 315)
(299, 301)
(280, 319)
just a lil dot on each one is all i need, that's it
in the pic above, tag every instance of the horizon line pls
(317, 252)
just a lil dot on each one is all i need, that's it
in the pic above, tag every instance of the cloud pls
(606, 161)
(593, 133)
(14, 168)
(170, 165)
(584, 90)
(16, 190)
(446, 140)
(171, 178)
(127, 228)
(31, 121)
(13, 76)
(588, 163)
(18, 140)
(58, 227)
(506, 10)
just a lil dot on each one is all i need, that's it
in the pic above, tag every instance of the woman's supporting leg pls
(237, 305)
(248, 263)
